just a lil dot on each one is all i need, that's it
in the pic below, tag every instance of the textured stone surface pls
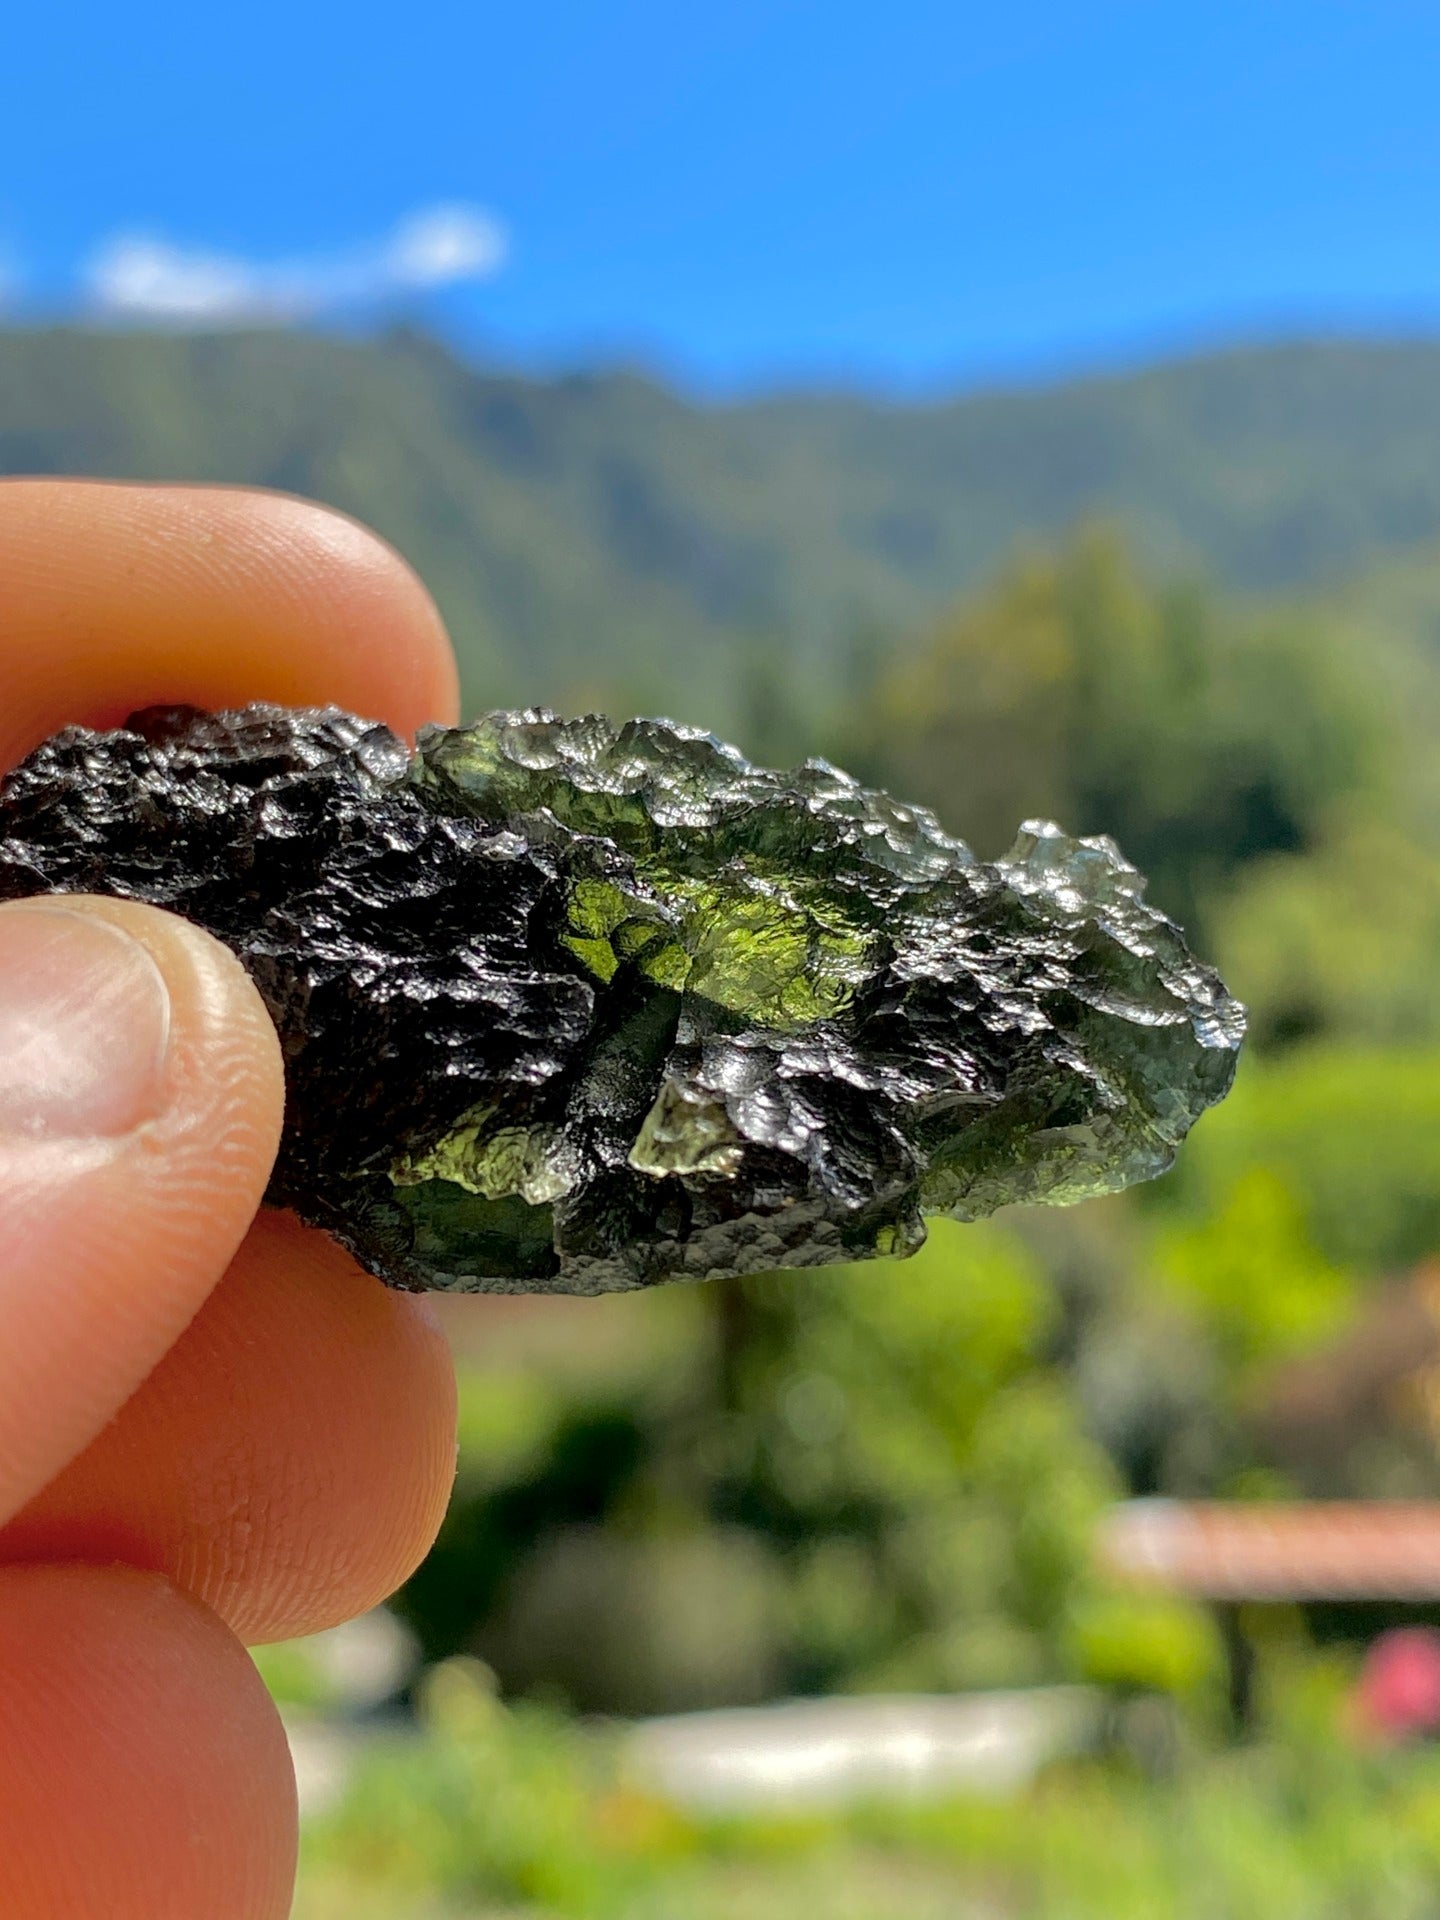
(569, 1006)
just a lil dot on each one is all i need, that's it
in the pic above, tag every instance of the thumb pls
(141, 1095)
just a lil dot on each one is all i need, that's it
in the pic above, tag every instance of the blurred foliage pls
(1343, 941)
(1076, 691)
(1151, 1643)
(296, 1678)
(835, 1481)
(518, 1814)
(1252, 1275)
(491, 1805)
(1352, 1132)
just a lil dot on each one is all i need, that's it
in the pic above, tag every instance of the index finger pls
(114, 597)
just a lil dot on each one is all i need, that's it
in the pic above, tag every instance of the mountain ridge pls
(602, 535)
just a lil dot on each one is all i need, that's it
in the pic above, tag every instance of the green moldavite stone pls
(570, 1007)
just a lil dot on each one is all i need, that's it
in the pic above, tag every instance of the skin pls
(214, 1429)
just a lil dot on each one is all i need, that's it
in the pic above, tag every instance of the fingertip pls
(123, 596)
(144, 1772)
(288, 1462)
(366, 615)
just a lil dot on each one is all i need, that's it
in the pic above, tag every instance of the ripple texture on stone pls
(569, 1006)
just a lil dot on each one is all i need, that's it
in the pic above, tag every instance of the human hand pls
(213, 1427)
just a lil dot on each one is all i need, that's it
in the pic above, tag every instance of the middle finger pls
(288, 1462)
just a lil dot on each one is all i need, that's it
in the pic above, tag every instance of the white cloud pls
(139, 276)
(134, 274)
(442, 244)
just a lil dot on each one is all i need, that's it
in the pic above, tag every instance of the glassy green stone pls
(570, 1006)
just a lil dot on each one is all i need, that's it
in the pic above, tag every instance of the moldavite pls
(570, 1007)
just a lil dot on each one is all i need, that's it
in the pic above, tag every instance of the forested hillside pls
(603, 535)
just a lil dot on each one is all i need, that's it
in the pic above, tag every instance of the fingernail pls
(84, 1027)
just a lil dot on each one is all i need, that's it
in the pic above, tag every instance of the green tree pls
(1075, 690)
(1342, 942)
(865, 1476)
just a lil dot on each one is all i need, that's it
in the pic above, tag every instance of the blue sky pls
(891, 191)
